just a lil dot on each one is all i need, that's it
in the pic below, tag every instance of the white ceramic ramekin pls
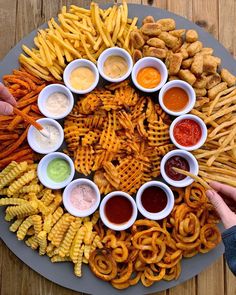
(49, 90)
(77, 63)
(170, 200)
(33, 131)
(187, 88)
(150, 62)
(69, 206)
(199, 122)
(115, 51)
(42, 170)
(193, 167)
(114, 226)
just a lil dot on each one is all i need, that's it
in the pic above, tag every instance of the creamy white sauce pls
(51, 141)
(57, 103)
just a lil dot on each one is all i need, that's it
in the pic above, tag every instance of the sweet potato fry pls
(14, 157)
(28, 119)
(17, 119)
(15, 145)
(8, 136)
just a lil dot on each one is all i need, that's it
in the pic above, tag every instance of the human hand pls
(220, 196)
(6, 106)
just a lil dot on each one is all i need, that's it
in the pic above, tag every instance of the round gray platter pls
(62, 273)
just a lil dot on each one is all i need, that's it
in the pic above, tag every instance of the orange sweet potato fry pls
(17, 156)
(27, 118)
(15, 145)
(18, 119)
(8, 79)
(35, 109)
(8, 136)
(22, 103)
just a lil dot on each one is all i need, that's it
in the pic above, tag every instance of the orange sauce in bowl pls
(149, 77)
(175, 99)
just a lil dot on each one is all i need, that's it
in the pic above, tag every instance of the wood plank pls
(51, 8)
(181, 7)
(156, 3)
(8, 30)
(230, 281)
(35, 17)
(205, 14)
(227, 33)
(18, 279)
(212, 279)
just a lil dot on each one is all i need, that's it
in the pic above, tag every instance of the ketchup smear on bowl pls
(154, 199)
(178, 162)
(187, 132)
(118, 209)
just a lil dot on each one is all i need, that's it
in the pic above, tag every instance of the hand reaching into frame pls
(223, 198)
(6, 106)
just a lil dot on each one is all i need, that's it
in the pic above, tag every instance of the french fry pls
(195, 177)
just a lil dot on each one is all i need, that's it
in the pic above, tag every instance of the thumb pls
(5, 108)
(227, 216)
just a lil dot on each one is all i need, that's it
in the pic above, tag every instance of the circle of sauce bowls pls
(190, 133)
(154, 200)
(68, 202)
(80, 63)
(152, 62)
(47, 92)
(115, 51)
(187, 88)
(118, 210)
(33, 133)
(43, 173)
(192, 163)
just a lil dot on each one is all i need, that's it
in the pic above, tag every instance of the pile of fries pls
(81, 33)
(217, 158)
(40, 220)
(25, 87)
(153, 251)
(119, 134)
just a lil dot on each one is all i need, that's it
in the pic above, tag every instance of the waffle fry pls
(118, 134)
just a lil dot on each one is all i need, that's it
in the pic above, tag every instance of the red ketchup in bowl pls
(187, 132)
(178, 162)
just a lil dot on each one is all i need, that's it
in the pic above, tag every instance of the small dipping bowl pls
(33, 133)
(67, 201)
(166, 204)
(115, 51)
(187, 88)
(50, 90)
(152, 62)
(77, 64)
(118, 203)
(202, 127)
(43, 167)
(193, 167)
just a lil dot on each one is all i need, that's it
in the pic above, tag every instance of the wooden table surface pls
(17, 19)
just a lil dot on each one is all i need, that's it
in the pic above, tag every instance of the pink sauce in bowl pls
(81, 197)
